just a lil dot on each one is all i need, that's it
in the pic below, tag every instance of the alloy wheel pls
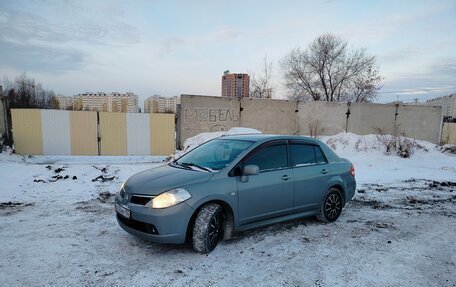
(333, 206)
(215, 229)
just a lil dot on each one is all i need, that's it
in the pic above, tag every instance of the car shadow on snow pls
(260, 233)
(162, 249)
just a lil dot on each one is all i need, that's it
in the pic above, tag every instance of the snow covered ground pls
(58, 228)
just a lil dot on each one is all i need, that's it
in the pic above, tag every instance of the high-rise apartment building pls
(151, 105)
(113, 102)
(158, 104)
(65, 102)
(235, 85)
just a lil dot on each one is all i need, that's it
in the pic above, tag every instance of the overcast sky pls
(176, 47)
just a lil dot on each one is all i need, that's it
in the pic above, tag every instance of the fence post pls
(348, 116)
(2, 113)
(98, 133)
(4, 118)
(442, 125)
(177, 124)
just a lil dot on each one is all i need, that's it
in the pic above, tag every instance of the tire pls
(208, 228)
(331, 206)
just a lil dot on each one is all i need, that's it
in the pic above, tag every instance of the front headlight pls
(170, 198)
(121, 191)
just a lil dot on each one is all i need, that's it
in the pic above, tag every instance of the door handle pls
(324, 171)
(285, 177)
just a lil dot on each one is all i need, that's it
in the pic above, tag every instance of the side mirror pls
(249, 170)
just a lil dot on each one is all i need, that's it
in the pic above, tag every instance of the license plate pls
(125, 212)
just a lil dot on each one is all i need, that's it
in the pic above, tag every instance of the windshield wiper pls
(195, 165)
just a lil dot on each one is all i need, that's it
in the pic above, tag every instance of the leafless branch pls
(328, 70)
(261, 86)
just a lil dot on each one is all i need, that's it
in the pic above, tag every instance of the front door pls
(270, 193)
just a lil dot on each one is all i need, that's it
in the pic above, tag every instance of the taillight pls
(352, 170)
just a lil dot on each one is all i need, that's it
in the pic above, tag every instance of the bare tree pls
(54, 103)
(24, 92)
(261, 86)
(328, 70)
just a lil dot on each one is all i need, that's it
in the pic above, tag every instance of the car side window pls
(302, 154)
(320, 157)
(269, 157)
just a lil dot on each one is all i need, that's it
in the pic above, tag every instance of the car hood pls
(162, 178)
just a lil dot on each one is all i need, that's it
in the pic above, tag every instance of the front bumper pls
(167, 225)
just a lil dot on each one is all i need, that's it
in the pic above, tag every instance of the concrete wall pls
(321, 118)
(208, 114)
(270, 116)
(420, 122)
(369, 118)
(200, 114)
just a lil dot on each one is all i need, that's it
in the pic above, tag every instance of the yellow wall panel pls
(84, 133)
(449, 133)
(27, 133)
(113, 131)
(162, 134)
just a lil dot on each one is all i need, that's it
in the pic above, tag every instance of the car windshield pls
(213, 155)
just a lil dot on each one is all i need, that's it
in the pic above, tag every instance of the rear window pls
(302, 154)
(320, 157)
(305, 154)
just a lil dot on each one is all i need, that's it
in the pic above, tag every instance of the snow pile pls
(350, 142)
(373, 165)
(201, 138)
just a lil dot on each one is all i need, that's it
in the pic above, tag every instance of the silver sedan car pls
(234, 183)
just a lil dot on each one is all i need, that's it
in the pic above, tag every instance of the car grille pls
(138, 225)
(141, 199)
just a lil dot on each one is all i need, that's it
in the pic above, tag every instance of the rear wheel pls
(208, 228)
(331, 206)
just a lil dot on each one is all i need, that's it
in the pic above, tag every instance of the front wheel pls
(208, 228)
(331, 207)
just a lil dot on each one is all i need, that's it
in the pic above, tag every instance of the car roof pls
(267, 137)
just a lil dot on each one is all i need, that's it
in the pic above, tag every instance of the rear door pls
(270, 193)
(311, 173)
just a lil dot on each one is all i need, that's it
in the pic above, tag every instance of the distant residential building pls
(448, 104)
(235, 85)
(158, 104)
(151, 105)
(65, 102)
(113, 102)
